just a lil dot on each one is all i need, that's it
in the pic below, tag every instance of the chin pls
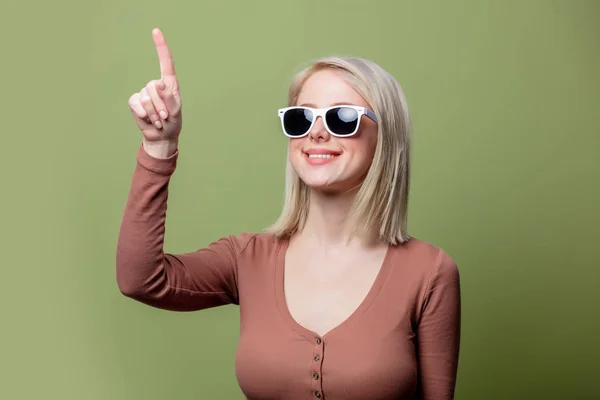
(323, 184)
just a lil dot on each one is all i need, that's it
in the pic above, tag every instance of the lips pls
(317, 151)
(320, 156)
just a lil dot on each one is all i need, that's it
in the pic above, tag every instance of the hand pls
(157, 107)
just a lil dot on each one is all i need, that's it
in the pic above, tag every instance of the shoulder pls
(425, 261)
(253, 243)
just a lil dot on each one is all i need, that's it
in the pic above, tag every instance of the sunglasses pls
(340, 121)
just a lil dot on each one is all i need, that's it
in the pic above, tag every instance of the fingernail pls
(161, 85)
(158, 124)
(163, 114)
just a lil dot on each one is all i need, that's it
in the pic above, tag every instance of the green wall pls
(506, 175)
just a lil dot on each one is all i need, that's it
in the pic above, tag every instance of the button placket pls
(316, 384)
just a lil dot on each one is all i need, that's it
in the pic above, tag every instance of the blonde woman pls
(336, 300)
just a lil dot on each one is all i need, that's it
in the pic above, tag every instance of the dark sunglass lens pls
(297, 121)
(342, 120)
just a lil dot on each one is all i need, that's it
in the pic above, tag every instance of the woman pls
(336, 300)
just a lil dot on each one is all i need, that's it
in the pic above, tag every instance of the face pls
(352, 156)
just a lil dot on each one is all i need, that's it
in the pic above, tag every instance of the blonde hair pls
(381, 203)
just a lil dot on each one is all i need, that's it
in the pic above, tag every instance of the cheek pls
(295, 151)
(370, 146)
(371, 151)
(363, 152)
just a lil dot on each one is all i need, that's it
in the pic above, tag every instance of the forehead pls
(325, 88)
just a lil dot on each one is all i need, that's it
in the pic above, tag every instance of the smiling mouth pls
(320, 158)
(322, 155)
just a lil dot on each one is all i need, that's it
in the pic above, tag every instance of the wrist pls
(160, 148)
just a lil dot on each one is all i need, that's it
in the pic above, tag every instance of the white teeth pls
(321, 156)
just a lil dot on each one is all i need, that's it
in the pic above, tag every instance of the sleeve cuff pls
(164, 166)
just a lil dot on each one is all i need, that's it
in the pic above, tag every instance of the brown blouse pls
(402, 342)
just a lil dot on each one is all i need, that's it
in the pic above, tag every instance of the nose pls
(318, 131)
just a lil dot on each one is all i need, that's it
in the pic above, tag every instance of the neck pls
(327, 220)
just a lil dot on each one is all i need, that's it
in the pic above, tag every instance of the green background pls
(506, 175)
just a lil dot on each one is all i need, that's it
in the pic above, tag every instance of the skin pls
(325, 270)
(324, 89)
(334, 184)
(156, 108)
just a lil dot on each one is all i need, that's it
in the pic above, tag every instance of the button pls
(317, 357)
(315, 376)
(318, 395)
(318, 340)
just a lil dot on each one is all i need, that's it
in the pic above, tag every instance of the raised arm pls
(184, 282)
(438, 333)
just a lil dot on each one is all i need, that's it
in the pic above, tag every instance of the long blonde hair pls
(381, 204)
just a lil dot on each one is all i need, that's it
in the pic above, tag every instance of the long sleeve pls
(438, 333)
(182, 282)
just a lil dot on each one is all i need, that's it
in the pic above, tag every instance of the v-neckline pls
(365, 304)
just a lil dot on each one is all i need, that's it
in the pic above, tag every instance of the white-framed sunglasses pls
(340, 121)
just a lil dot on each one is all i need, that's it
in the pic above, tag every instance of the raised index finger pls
(167, 69)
